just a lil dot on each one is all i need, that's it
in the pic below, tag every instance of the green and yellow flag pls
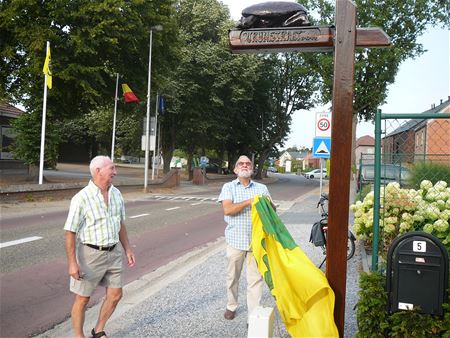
(48, 69)
(303, 296)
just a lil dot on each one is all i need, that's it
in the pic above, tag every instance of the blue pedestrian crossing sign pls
(321, 147)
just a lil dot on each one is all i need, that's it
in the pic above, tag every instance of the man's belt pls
(101, 248)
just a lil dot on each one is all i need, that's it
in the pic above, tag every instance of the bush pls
(363, 192)
(404, 210)
(281, 170)
(374, 320)
(372, 304)
(296, 165)
(430, 171)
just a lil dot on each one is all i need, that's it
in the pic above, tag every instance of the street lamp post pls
(147, 131)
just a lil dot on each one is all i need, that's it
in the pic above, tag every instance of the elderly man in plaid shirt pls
(236, 198)
(93, 230)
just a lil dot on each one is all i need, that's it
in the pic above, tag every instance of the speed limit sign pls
(323, 124)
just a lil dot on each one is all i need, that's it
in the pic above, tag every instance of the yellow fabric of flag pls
(303, 296)
(47, 68)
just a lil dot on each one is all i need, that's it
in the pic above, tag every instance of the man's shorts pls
(97, 268)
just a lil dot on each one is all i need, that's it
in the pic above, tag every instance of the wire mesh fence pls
(413, 173)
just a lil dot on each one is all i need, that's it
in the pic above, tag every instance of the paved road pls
(162, 228)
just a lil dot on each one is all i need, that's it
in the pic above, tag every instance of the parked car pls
(215, 168)
(316, 173)
(389, 173)
(272, 169)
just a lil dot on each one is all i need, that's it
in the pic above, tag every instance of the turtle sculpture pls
(273, 14)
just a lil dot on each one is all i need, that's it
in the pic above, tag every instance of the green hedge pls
(430, 171)
(374, 320)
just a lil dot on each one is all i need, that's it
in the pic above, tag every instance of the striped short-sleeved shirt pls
(238, 232)
(95, 222)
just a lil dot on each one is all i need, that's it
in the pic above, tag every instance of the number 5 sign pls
(323, 124)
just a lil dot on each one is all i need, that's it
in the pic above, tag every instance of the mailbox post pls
(417, 273)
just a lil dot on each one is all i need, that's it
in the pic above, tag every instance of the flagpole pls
(114, 119)
(44, 112)
(156, 127)
(147, 129)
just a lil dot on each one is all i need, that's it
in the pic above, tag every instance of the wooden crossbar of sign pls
(304, 39)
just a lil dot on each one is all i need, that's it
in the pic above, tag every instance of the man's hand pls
(131, 258)
(74, 271)
(271, 202)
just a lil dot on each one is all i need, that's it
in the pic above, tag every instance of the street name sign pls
(304, 39)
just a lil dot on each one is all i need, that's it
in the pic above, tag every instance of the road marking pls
(196, 203)
(141, 215)
(173, 208)
(19, 241)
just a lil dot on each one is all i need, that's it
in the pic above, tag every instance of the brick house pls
(310, 161)
(364, 145)
(420, 139)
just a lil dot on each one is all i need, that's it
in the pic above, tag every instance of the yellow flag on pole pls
(303, 296)
(48, 68)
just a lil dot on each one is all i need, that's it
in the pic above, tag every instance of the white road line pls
(141, 215)
(173, 208)
(196, 203)
(19, 241)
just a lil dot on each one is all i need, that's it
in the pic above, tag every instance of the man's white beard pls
(244, 173)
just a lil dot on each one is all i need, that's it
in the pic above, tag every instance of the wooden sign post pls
(342, 40)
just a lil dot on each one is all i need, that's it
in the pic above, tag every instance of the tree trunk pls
(189, 166)
(261, 160)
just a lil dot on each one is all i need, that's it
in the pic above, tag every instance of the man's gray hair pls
(97, 162)
(236, 164)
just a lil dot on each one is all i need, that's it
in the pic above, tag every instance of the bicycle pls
(319, 229)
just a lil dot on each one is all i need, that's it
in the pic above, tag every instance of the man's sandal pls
(98, 334)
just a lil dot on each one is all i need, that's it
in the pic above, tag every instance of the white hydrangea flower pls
(425, 184)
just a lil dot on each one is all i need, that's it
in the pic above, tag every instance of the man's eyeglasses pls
(241, 164)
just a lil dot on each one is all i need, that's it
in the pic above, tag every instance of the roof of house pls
(9, 110)
(297, 154)
(408, 125)
(365, 140)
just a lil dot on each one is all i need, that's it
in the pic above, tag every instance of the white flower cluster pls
(403, 210)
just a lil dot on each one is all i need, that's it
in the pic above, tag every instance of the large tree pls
(209, 85)
(90, 43)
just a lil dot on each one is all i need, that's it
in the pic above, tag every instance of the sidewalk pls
(187, 297)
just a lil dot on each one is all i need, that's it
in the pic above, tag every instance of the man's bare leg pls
(113, 296)
(78, 312)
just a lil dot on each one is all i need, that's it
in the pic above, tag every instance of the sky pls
(419, 83)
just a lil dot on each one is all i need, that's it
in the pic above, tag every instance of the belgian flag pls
(303, 296)
(128, 94)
